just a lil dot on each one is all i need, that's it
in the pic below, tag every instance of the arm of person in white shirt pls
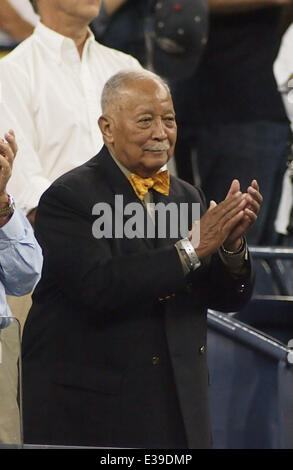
(283, 65)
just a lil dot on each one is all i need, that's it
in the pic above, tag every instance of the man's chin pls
(90, 13)
(154, 158)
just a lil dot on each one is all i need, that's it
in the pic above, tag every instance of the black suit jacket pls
(114, 346)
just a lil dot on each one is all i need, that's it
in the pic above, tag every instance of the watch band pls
(189, 254)
(9, 209)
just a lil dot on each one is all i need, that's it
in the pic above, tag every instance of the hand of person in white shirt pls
(8, 150)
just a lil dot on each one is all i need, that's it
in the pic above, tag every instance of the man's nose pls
(159, 131)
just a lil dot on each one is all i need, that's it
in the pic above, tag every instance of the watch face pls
(9, 209)
(11, 201)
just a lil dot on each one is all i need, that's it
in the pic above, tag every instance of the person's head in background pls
(68, 17)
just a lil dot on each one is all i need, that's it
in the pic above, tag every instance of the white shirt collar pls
(57, 43)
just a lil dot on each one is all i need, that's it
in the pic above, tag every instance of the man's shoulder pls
(80, 173)
(118, 57)
(19, 51)
(84, 183)
(20, 57)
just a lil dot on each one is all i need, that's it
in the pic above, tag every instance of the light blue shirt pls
(20, 261)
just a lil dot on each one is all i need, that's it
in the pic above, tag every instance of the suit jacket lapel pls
(120, 186)
(172, 236)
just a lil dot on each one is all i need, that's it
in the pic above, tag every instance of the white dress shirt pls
(55, 97)
(283, 70)
(20, 261)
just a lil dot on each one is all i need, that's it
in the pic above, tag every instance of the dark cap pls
(179, 35)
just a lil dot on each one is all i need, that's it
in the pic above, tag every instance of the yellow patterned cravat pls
(160, 182)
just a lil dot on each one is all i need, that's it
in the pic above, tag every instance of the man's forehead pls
(145, 95)
(151, 108)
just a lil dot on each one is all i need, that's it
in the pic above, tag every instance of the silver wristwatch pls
(9, 209)
(189, 254)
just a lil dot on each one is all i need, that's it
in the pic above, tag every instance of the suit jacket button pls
(241, 288)
(202, 350)
(155, 360)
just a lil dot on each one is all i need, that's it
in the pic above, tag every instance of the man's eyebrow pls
(150, 111)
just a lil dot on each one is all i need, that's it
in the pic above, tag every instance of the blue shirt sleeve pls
(5, 312)
(20, 256)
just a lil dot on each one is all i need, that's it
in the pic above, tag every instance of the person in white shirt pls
(283, 70)
(53, 82)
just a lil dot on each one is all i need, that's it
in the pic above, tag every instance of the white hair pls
(120, 80)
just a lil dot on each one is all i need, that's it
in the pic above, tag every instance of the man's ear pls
(106, 125)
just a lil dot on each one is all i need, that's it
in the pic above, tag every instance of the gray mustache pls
(158, 148)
